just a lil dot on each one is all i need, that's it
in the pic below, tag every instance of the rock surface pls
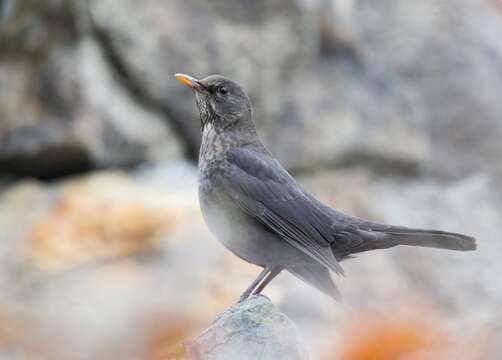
(410, 56)
(396, 85)
(260, 43)
(252, 329)
(63, 106)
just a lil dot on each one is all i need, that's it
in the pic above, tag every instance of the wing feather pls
(264, 190)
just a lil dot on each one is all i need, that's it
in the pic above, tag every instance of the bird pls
(258, 211)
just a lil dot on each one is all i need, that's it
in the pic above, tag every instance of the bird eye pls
(222, 90)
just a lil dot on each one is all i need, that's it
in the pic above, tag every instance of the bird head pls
(222, 103)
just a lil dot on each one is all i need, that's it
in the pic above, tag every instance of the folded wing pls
(264, 190)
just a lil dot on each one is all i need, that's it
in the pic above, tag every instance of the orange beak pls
(189, 81)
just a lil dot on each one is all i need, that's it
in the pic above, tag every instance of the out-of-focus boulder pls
(32, 141)
(63, 108)
(432, 66)
(93, 220)
(252, 329)
(126, 259)
(333, 117)
(402, 86)
(261, 44)
(395, 85)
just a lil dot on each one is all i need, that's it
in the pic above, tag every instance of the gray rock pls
(63, 106)
(395, 85)
(253, 329)
(262, 44)
(33, 140)
(370, 83)
(122, 131)
(333, 117)
(435, 68)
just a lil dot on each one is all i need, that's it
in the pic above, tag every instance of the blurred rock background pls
(389, 110)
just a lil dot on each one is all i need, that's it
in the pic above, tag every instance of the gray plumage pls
(260, 213)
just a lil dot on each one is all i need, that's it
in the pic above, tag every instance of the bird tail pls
(394, 236)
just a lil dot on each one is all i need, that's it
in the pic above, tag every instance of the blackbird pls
(260, 213)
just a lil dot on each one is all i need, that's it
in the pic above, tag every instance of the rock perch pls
(252, 329)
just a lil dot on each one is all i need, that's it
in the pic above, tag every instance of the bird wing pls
(265, 191)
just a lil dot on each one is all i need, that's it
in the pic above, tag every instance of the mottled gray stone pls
(250, 330)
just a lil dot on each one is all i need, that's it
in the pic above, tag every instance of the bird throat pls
(205, 112)
(212, 144)
(217, 140)
(221, 134)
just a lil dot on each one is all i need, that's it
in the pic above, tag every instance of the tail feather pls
(394, 236)
(432, 238)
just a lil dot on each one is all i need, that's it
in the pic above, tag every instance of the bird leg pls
(261, 282)
(249, 291)
(270, 276)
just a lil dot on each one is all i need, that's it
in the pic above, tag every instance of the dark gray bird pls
(260, 213)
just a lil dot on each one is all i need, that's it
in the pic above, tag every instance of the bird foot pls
(243, 297)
